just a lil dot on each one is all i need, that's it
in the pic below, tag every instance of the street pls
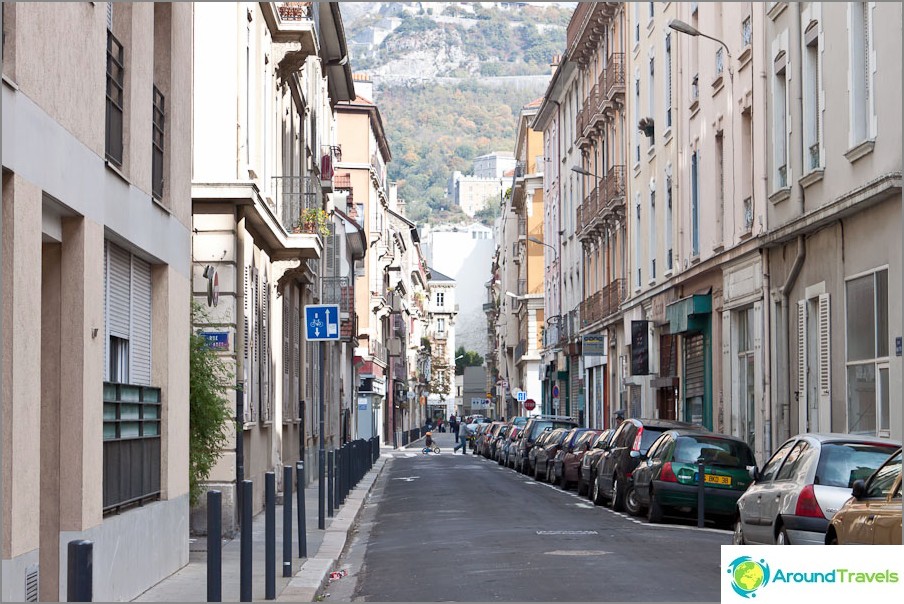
(461, 528)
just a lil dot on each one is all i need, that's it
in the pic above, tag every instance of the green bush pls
(209, 411)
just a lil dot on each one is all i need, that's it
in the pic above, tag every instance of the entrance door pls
(695, 378)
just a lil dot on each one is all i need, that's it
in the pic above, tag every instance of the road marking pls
(567, 533)
(407, 478)
(582, 504)
(577, 552)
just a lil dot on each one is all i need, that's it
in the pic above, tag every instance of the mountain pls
(450, 79)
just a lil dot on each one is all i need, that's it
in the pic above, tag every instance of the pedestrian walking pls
(463, 433)
(453, 426)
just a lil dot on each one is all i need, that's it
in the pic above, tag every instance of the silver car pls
(794, 497)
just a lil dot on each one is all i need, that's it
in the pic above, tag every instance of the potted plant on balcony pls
(313, 220)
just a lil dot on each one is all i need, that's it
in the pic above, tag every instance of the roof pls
(534, 103)
(435, 275)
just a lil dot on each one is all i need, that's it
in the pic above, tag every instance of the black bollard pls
(214, 546)
(245, 555)
(302, 527)
(701, 492)
(329, 482)
(287, 522)
(80, 567)
(270, 535)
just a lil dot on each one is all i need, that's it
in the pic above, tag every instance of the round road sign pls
(530, 404)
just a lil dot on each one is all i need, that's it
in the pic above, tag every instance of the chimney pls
(364, 85)
(554, 64)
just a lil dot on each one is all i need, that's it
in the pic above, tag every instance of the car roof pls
(706, 434)
(668, 424)
(823, 437)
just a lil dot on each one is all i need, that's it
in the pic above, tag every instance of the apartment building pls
(442, 314)
(96, 231)
(833, 249)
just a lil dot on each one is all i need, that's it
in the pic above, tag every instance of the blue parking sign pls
(321, 322)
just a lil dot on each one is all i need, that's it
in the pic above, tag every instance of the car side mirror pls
(754, 472)
(859, 489)
(636, 454)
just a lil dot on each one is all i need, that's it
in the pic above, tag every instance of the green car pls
(666, 481)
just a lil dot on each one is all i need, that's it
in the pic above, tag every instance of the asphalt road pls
(460, 528)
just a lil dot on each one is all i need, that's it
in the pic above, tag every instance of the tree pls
(440, 378)
(209, 414)
(465, 358)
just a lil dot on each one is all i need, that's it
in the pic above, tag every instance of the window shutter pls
(266, 402)
(286, 361)
(802, 364)
(730, 377)
(140, 342)
(119, 291)
(825, 352)
(246, 355)
(330, 256)
(296, 356)
(256, 341)
(106, 311)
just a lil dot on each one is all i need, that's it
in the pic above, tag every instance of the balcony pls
(615, 78)
(522, 287)
(603, 304)
(606, 200)
(520, 350)
(294, 195)
(329, 156)
(377, 350)
(292, 30)
(522, 227)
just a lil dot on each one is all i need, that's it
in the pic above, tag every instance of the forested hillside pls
(450, 80)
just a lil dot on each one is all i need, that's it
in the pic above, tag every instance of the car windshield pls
(840, 464)
(714, 451)
(884, 479)
(648, 437)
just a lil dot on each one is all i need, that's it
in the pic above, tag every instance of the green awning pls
(683, 314)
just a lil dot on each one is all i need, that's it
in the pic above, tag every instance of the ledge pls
(858, 151)
(694, 106)
(776, 10)
(745, 57)
(811, 177)
(718, 84)
(9, 82)
(116, 170)
(780, 195)
(160, 206)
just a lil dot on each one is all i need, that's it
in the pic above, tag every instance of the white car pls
(793, 499)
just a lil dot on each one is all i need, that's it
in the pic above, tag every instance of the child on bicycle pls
(428, 442)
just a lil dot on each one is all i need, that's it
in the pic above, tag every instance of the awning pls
(686, 314)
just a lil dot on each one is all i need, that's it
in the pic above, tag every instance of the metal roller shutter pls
(694, 368)
(140, 343)
(119, 292)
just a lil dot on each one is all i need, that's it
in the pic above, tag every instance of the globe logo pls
(748, 575)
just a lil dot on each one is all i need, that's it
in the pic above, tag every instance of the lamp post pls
(688, 29)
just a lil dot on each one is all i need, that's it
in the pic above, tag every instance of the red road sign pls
(530, 404)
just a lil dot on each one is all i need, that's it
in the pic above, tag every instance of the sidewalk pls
(189, 584)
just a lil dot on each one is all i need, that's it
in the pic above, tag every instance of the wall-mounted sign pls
(217, 340)
(479, 403)
(213, 285)
(640, 348)
(593, 345)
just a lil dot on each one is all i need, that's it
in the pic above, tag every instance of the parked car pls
(532, 429)
(872, 516)
(486, 437)
(613, 483)
(498, 439)
(479, 431)
(667, 480)
(808, 479)
(543, 461)
(587, 468)
(568, 459)
(544, 439)
(507, 458)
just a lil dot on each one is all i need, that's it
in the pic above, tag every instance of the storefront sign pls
(640, 348)
(593, 345)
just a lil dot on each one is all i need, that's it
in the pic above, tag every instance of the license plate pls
(711, 478)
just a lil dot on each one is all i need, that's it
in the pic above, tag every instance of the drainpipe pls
(767, 356)
(786, 292)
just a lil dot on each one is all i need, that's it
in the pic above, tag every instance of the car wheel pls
(781, 538)
(654, 512)
(618, 495)
(632, 505)
(595, 494)
(832, 537)
(582, 488)
(737, 538)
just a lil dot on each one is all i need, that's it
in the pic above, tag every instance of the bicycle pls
(434, 448)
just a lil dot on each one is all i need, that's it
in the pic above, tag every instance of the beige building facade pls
(96, 289)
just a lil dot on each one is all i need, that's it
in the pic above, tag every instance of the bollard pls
(270, 535)
(214, 546)
(287, 522)
(701, 492)
(302, 527)
(245, 557)
(329, 482)
(339, 486)
(80, 567)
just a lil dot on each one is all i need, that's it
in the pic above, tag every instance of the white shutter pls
(802, 365)
(119, 291)
(825, 363)
(266, 402)
(296, 355)
(106, 333)
(286, 359)
(140, 342)
(759, 428)
(256, 341)
(329, 253)
(729, 377)
(246, 355)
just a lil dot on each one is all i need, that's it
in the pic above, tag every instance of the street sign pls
(530, 404)
(217, 340)
(522, 396)
(321, 322)
(555, 391)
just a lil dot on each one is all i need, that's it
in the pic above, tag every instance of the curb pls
(312, 577)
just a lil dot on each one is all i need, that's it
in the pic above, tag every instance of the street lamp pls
(583, 172)
(686, 28)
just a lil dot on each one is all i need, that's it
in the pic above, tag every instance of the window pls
(115, 100)
(860, 71)
(720, 61)
(127, 317)
(651, 220)
(637, 240)
(695, 204)
(157, 144)
(796, 463)
(720, 183)
(652, 10)
(636, 131)
(811, 92)
(636, 23)
(746, 33)
(668, 223)
(772, 466)
(695, 88)
(651, 97)
(668, 81)
(867, 353)
(440, 325)
(440, 299)
(780, 123)
(744, 330)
